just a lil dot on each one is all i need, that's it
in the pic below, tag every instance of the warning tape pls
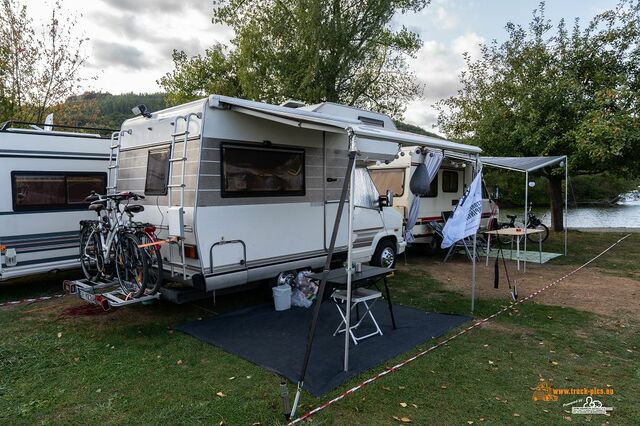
(465, 330)
(30, 300)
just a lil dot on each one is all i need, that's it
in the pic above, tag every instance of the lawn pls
(129, 366)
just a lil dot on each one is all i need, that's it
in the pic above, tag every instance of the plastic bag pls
(419, 183)
(298, 298)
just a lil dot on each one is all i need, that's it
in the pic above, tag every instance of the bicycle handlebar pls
(124, 195)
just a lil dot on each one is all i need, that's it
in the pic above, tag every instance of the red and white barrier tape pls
(30, 300)
(463, 331)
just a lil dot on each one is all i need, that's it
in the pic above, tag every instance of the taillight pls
(103, 302)
(151, 229)
(190, 251)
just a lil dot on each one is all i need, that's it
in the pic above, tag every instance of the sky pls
(131, 41)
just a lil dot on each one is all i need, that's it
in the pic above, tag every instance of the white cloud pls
(438, 66)
(131, 41)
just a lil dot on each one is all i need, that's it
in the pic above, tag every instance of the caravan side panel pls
(278, 232)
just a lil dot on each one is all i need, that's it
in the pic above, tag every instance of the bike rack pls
(106, 294)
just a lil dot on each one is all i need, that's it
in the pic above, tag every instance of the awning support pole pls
(566, 201)
(475, 243)
(347, 334)
(323, 281)
(526, 216)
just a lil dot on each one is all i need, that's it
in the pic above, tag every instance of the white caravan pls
(252, 189)
(453, 177)
(44, 177)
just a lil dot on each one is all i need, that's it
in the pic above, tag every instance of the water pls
(624, 215)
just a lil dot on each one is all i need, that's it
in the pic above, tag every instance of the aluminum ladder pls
(114, 161)
(172, 185)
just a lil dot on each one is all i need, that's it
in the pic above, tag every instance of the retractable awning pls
(320, 121)
(522, 164)
(528, 165)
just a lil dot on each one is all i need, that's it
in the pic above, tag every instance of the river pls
(623, 215)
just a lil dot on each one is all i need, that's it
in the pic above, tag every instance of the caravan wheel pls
(385, 255)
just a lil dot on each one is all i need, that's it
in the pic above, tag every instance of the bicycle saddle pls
(97, 206)
(511, 216)
(134, 208)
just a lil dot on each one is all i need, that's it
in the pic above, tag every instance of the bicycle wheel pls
(539, 237)
(132, 265)
(91, 259)
(155, 263)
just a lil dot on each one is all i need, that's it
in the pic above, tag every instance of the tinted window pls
(433, 189)
(34, 191)
(449, 181)
(249, 171)
(388, 179)
(38, 190)
(157, 172)
(79, 186)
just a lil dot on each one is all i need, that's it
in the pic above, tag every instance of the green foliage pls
(545, 92)
(564, 92)
(405, 127)
(201, 75)
(40, 62)
(340, 51)
(95, 109)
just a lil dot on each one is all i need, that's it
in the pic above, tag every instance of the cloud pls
(112, 54)
(166, 6)
(438, 66)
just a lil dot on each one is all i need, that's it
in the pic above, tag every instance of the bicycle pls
(109, 245)
(532, 223)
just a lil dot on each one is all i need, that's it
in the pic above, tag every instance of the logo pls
(591, 406)
(543, 392)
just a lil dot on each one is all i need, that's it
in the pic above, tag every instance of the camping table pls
(370, 275)
(519, 233)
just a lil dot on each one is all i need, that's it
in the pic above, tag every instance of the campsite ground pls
(128, 366)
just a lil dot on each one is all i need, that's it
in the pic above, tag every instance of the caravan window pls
(449, 181)
(157, 172)
(257, 171)
(79, 186)
(34, 191)
(388, 179)
(433, 188)
(365, 193)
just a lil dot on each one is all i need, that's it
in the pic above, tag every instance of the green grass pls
(122, 367)
(585, 245)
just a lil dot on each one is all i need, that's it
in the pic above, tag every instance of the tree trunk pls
(557, 202)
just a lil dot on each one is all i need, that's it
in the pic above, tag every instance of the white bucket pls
(282, 297)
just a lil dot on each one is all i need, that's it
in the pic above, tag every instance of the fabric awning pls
(522, 164)
(325, 122)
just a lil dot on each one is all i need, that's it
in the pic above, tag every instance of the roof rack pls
(11, 124)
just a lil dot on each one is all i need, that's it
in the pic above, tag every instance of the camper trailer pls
(44, 177)
(251, 190)
(453, 177)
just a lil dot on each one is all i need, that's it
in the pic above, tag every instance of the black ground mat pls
(276, 340)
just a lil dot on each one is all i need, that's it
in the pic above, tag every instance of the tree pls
(42, 67)
(341, 50)
(545, 92)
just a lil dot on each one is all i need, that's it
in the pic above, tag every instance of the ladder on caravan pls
(176, 212)
(114, 161)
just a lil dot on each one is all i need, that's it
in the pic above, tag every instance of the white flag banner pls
(465, 220)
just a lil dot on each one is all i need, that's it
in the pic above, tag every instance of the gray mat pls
(276, 340)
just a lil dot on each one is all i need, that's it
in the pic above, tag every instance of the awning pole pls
(475, 242)
(323, 281)
(566, 201)
(347, 334)
(526, 216)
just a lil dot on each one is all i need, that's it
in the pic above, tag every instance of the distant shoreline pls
(620, 229)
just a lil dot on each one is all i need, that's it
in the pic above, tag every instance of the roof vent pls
(292, 104)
